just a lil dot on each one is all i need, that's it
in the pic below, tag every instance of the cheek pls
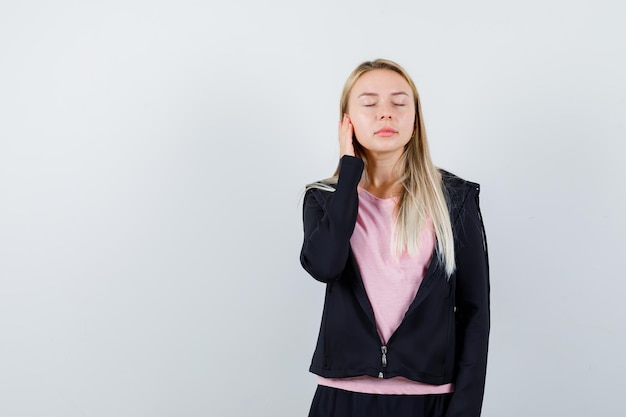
(408, 121)
(359, 124)
(359, 131)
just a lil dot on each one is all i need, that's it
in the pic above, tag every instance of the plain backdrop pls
(152, 161)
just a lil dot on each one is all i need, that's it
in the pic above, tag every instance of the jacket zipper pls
(383, 350)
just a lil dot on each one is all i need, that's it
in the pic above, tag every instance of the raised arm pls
(329, 219)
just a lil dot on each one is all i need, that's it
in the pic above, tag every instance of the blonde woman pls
(401, 248)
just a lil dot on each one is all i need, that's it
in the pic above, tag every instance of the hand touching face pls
(346, 147)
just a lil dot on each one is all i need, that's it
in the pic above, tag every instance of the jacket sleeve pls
(472, 310)
(329, 223)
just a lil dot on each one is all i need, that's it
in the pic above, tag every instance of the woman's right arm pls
(329, 222)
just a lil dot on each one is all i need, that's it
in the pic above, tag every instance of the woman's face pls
(381, 108)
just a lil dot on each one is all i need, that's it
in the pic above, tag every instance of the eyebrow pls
(396, 93)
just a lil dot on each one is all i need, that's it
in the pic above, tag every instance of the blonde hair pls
(423, 195)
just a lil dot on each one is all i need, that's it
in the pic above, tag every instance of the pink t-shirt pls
(391, 284)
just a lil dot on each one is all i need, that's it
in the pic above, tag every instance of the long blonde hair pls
(423, 195)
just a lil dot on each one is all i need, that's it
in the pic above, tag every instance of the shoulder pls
(457, 188)
(328, 185)
(318, 193)
(349, 170)
(461, 195)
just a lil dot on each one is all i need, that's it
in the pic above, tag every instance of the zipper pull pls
(383, 349)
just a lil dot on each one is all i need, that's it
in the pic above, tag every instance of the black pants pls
(333, 402)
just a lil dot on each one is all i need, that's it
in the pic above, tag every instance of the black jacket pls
(444, 335)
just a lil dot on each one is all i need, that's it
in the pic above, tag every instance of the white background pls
(152, 159)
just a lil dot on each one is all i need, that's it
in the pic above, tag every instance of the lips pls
(386, 131)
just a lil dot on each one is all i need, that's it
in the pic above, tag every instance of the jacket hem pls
(347, 373)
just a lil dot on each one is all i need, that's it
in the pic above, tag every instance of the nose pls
(384, 112)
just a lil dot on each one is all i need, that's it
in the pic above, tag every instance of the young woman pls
(402, 250)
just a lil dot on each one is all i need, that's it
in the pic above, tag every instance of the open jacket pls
(443, 337)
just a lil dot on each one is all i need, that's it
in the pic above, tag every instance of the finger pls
(346, 128)
(346, 145)
(342, 128)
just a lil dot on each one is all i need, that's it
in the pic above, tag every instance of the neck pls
(382, 175)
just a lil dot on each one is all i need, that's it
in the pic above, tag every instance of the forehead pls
(381, 81)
